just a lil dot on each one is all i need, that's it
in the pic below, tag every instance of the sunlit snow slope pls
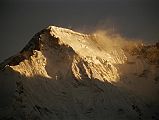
(65, 75)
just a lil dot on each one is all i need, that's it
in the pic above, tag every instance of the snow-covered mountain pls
(65, 75)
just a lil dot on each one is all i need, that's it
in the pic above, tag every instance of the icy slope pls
(65, 75)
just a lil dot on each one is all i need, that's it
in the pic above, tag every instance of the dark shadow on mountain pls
(39, 98)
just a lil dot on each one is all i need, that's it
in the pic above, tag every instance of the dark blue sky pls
(21, 19)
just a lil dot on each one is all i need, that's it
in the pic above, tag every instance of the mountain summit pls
(65, 75)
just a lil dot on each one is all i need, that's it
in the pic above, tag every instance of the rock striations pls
(65, 75)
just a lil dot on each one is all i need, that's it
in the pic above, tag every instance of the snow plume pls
(109, 40)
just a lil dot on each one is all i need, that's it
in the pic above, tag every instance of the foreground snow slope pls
(65, 75)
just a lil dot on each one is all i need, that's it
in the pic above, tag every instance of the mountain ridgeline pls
(65, 75)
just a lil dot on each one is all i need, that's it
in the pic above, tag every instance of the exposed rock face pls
(66, 75)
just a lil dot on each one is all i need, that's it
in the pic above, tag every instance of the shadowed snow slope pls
(65, 75)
